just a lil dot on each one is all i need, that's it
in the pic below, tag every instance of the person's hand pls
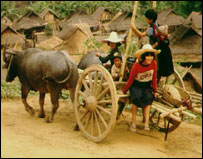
(120, 92)
(119, 74)
(156, 95)
(98, 54)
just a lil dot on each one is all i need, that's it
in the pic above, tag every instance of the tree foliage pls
(66, 8)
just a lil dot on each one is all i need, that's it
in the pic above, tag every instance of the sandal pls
(146, 128)
(133, 129)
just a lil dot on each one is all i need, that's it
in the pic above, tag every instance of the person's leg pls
(134, 112)
(146, 114)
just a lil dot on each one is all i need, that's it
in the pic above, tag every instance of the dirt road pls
(23, 136)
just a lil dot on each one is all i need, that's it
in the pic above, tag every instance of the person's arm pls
(104, 59)
(140, 34)
(131, 78)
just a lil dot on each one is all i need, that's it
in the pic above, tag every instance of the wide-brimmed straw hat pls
(146, 48)
(113, 37)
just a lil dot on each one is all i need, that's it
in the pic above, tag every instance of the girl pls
(142, 83)
(165, 63)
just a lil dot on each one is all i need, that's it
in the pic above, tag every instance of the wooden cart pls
(96, 104)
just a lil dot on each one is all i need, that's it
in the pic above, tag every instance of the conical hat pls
(146, 48)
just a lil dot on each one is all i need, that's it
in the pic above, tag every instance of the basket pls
(168, 95)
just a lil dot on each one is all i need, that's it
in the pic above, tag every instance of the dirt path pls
(23, 136)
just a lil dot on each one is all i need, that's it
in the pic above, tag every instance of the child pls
(165, 63)
(116, 68)
(142, 83)
(113, 41)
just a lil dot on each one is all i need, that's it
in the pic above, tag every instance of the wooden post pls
(128, 41)
(154, 5)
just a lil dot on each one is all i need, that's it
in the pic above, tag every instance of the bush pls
(12, 90)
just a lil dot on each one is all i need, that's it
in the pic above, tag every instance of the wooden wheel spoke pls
(101, 118)
(101, 95)
(95, 82)
(97, 123)
(85, 85)
(83, 115)
(105, 102)
(87, 121)
(90, 81)
(92, 124)
(104, 110)
(82, 94)
(98, 90)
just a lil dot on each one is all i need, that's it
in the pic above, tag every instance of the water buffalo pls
(43, 71)
(89, 59)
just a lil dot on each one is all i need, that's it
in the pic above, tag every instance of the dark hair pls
(142, 58)
(151, 15)
(117, 44)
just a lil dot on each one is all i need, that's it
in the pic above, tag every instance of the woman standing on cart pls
(142, 83)
(158, 38)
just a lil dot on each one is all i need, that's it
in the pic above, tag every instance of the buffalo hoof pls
(76, 128)
(48, 119)
(30, 110)
(41, 115)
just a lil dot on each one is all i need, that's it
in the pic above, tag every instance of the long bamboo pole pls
(128, 41)
(154, 5)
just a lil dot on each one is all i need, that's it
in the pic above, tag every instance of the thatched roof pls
(28, 21)
(195, 20)
(80, 17)
(122, 22)
(10, 36)
(169, 17)
(96, 15)
(70, 29)
(186, 41)
(6, 21)
(51, 43)
(45, 11)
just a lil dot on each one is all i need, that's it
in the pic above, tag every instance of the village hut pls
(102, 15)
(80, 17)
(52, 18)
(29, 23)
(195, 20)
(170, 18)
(74, 37)
(122, 23)
(51, 43)
(12, 39)
(186, 45)
(6, 21)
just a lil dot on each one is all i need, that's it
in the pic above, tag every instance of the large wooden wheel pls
(96, 103)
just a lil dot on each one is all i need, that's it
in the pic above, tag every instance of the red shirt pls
(142, 74)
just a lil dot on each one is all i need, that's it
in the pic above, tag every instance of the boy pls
(116, 68)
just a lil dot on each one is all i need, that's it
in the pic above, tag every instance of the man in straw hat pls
(158, 38)
(113, 41)
(142, 83)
